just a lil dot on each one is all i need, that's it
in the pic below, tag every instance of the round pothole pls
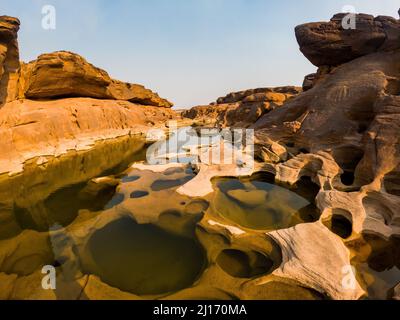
(127, 179)
(339, 224)
(144, 259)
(256, 204)
(139, 194)
(240, 264)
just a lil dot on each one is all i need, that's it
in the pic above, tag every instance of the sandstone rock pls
(241, 109)
(7, 285)
(327, 43)
(303, 250)
(342, 114)
(309, 80)
(9, 59)
(136, 93)
(66, 74)
(32, 129)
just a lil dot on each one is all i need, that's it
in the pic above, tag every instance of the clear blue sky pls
(190, 51)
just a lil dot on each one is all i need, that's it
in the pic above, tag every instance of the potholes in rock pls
(348, 158)
(117, 199)
(139, 194)
(164, 184)
(144, 259)
(244, 264)
(196, 207)
(347, 178)
(130, 179)
(377, 209)
(62, 206)
(256, 204)
(378, 265)
(392, 182)
(340, 223)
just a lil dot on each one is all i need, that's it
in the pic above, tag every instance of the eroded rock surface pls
(66, 74)
(31, 129)
(241, 109)
(328, 43)
(9, 58)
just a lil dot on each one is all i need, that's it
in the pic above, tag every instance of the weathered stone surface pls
(32, 129)
(303, 250)
(342, 112)
(66, 74)
(241, 109)
(327, 43)
(9, 58)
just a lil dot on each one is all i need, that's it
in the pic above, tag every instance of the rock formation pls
(65, 74)
(61, 102)
(328, 44)
(340, 137)
(241, 109)
(9, 58)
(343, 132)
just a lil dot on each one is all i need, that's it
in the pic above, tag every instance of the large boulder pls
(328, 43)
(65, 74)
(9, 58)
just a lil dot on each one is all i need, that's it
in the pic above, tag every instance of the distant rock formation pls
(241, 109)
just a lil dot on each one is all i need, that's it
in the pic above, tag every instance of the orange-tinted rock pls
(31, 129)
(9, 58)
(65, 74)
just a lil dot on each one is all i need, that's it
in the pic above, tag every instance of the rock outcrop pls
(9, 58)
(65, 74)
(241, 109)
(60, 102)
(30, 129)
(328, 43)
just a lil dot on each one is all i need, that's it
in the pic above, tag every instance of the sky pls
(189, 51)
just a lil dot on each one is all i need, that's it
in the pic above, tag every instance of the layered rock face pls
(65, 74)
(9, 58)
(241, 109)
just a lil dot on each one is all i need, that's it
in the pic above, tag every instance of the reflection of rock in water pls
(378, 265)
(144, 259)
(55, 191)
